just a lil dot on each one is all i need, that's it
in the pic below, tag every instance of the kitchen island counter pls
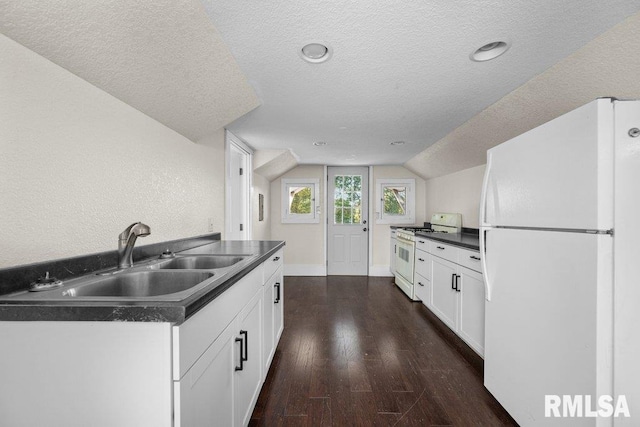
(21, 307)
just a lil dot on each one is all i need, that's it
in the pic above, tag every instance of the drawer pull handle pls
(242, 351)
(246, 345)
(477, 258)
(420, 259)
(276, 259)
(440, 247)
(420, 283)
(420, 241)
(277, 286)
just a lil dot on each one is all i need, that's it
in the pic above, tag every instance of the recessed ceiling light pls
(489, 51)
(319, 143)
(316, 52)
(397, 143)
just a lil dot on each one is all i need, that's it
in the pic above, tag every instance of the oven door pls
(405, 259)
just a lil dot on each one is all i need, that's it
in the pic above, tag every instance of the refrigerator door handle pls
(483, 257)
(483, 194)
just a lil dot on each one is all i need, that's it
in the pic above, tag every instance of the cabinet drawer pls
(422, 243)
(469, 259)
(273, 263)
(442, 250)
(422, 289)
(423, 264)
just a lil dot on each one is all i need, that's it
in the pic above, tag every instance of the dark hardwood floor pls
(356, 351)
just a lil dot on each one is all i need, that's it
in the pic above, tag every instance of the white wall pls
(304, 251)
(457, 192)
(78, 166)
(379, 265)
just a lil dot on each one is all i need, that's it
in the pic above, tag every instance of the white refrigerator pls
(559, 218)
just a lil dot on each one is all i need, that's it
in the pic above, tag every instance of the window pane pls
(300, 200)
(395, 200)
(357, 215)
(348, 199)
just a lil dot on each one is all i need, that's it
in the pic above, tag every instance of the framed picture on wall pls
(260, 207)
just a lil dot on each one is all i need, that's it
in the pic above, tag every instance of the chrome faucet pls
(127, 240)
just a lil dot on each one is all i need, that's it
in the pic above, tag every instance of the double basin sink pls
(160, 279)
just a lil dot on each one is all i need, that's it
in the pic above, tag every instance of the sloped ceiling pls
(273, 163)
(605, 67)
(400, 70)
(163, 57)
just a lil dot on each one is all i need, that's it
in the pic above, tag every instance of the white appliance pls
(559, 259)
(406, 245)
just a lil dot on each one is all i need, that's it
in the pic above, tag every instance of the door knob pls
(364, 229)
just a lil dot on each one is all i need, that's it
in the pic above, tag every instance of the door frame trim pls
(326, 221)
(325, 225)
(231, 139)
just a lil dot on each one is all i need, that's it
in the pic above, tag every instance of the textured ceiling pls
(605, 67)
(400, 70)
(163, 57)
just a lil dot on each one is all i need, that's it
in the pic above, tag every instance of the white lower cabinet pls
(222, 387)
(453, 289)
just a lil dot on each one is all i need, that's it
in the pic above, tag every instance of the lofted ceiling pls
(399, 70)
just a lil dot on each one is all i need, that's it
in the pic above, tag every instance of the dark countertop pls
(464, 240)
(15, 308)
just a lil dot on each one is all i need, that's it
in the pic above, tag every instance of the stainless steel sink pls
(138, 284)
(171, 279)
(201, 262)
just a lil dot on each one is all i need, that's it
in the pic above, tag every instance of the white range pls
(406, 248)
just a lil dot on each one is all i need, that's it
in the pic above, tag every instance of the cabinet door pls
(268, 333)
(248, 376)
(278, 309)
(471, 308)
(203, 396)
(444, 298)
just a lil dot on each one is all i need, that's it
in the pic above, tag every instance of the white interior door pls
(347, 228)
(238, 190)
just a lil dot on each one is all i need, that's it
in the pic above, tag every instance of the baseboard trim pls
(379, 271)
(305, 270)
